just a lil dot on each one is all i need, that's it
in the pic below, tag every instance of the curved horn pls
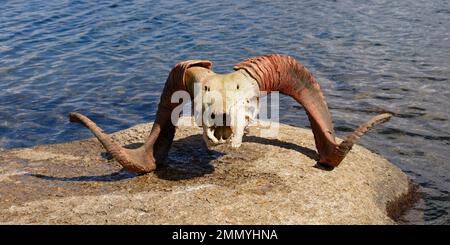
(284, 74)
(145, 158)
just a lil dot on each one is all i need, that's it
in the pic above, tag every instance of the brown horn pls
(284, 74)
(145, 158)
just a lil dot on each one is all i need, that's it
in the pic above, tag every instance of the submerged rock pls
(265, 181)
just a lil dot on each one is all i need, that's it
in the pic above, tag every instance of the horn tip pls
(384, 117)
(74, 117)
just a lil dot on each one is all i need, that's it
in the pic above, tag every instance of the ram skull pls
(229, 104)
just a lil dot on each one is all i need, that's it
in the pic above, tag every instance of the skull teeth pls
(210, 134)
(217, 137)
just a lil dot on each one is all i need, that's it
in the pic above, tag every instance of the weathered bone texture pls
(284, 74)
(145, 158)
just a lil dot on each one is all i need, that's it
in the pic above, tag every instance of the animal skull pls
(230, 103)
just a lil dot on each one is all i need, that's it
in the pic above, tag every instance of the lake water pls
(110, 61)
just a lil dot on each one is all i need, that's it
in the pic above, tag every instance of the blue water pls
(110, 59)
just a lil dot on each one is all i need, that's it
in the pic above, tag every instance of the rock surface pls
(265, 181)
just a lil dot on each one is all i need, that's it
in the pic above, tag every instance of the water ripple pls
(109, 60)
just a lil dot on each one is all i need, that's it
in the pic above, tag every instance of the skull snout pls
(222, 132)
(219, 129)
(221, 126)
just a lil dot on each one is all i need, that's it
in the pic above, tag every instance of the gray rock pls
(266, 181)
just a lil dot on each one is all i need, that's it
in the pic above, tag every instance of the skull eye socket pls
(237, 87)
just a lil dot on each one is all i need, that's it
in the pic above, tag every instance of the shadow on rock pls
(188, 158)
(116, 176)
(283, 144)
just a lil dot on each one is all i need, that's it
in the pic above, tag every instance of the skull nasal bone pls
(225, 121)
(220, 119)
